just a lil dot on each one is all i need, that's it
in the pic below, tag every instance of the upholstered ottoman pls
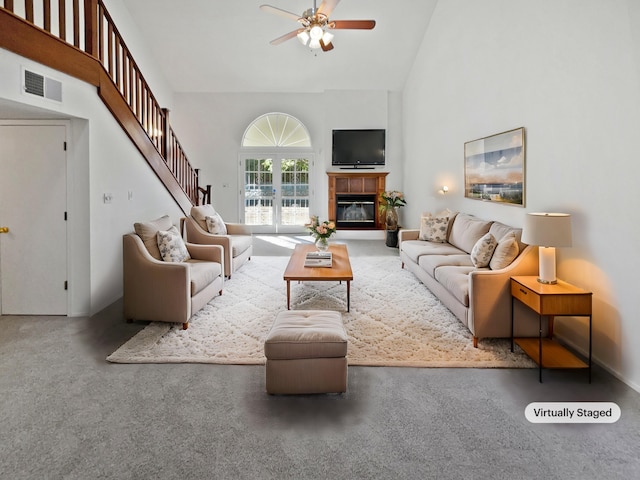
(306, 353)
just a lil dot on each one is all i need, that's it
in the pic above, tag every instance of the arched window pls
(276, 130)
(275, 162)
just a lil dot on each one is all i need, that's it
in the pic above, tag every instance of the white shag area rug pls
(394, 321)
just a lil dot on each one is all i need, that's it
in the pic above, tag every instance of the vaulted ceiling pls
(223, 45)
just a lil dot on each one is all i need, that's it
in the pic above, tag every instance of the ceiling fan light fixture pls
(303, 36)
(316, 32)
(327, 37)
(314, 43)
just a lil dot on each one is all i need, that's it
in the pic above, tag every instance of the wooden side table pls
(557, 300)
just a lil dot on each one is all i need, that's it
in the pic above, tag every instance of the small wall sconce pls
(443, 190)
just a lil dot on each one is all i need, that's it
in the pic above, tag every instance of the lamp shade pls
(547, 229)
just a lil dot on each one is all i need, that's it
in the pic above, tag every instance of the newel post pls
(91, 27)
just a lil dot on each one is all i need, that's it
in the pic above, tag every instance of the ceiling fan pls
(316, 26)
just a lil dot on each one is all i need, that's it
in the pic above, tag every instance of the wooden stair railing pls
(91, 49)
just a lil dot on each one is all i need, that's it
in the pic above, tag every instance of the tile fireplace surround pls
(354, 199)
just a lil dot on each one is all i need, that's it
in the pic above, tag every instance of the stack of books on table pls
(318, 259)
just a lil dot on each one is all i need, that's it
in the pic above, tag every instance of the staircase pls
(84, 42)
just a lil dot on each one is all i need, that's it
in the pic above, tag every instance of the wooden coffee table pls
(339, 271)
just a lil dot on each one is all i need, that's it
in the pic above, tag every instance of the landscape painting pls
(494, 168)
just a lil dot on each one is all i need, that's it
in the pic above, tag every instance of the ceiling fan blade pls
(326, 46)
(353, 24)
(327, 6)
(279, 11)
(285, 37)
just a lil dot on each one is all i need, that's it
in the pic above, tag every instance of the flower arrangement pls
(393, 198)
(320, 229)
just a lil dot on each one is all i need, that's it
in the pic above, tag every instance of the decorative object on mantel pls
(494, 168)
(321, 231)
(393, 200)
(316, 26)
(548, 231)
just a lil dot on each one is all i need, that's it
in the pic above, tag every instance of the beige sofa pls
(480, 297)
(167, 291)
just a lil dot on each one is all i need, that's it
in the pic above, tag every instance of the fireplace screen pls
(355, 211)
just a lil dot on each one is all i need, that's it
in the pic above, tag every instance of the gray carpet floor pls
(66, 413)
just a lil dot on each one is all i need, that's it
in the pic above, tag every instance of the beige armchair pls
(162, 291)
(237, 242)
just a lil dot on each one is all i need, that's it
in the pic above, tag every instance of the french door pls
(276, 196)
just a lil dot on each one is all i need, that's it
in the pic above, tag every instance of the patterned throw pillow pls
(433, 229)
(215, 224)
(506, 252)
(171, 246)
(483, 250)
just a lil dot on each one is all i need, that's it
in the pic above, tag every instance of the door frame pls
(276, 154)
(68, 194)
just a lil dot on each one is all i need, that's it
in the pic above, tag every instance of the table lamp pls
(548, 231)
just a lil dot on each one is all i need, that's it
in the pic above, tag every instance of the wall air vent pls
(41, 86)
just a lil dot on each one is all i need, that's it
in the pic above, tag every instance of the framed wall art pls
(494, 168)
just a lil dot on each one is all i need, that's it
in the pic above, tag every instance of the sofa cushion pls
(467, 230)
(505, 253)
(215, 224)
(414, 249)
(148, 232)
(434, 229)
(200, 212)
(202, 274)
(239, 244)
(171, 246)
(429, 263)
(483, 250)
(456, 281)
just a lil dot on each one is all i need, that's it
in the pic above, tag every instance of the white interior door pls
(33, 191)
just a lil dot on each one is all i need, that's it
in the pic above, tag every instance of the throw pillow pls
(483, 250)
(505, 253)
(433, 229)
(199, 212)
(148, 232)
(171, 246)
(215, 224)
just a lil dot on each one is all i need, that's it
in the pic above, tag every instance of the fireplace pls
(354, 199)
(356, 211)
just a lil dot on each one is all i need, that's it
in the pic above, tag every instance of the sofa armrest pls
(153, 289)
(490, 295)
(238, 229)
(209, 253)
(407, 235)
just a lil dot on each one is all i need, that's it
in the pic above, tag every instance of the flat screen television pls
(358, 148)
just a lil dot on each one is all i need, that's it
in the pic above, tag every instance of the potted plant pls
(391, 201)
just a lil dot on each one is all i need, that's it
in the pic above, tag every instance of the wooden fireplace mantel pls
(357, 183)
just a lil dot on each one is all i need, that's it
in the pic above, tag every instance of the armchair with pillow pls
(205, 226)
(166, 280)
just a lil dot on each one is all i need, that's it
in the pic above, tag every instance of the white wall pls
(568, 72)
(101, 159)
(211, 126)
